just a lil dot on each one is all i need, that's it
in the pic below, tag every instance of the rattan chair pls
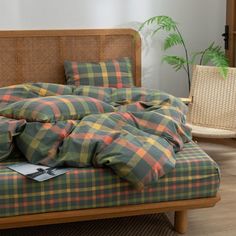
(212, 110)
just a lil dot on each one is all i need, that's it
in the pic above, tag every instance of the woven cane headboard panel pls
(38, 55)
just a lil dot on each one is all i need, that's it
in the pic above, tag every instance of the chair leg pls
(181, 221)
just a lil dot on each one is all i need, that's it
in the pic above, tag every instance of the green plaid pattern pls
(115, 73)
(50, 89)
(54, 108)
(137, 140)
(125, 96)
(40, 142)
(196, 176)
(131, 153)
(14, 93)
(100, 93)
(8, 128)
(140, 155)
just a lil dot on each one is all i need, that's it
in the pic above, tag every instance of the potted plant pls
(212, 54)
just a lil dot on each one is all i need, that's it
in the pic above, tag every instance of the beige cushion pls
(206, 132)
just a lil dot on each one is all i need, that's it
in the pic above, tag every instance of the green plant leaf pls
(208, 53)
(223, 71)
(220, 61)
(216, 56)
(172, 40)
(194, 56)
(205, 59)
(176, 62)
(162, 22)
(213, 54)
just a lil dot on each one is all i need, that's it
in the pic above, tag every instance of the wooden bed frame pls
(30, 56)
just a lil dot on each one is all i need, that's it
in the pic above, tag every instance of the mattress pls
(196, 176)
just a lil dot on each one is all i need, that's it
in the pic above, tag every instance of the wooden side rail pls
(179, 207)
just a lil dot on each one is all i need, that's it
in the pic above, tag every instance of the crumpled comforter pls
(134, 131)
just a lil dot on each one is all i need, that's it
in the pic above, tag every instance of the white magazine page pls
(37, 172)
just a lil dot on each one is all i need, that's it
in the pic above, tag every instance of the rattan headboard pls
(38, 55)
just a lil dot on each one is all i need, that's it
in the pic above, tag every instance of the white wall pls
(201, 22)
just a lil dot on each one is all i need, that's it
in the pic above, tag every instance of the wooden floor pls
(221, 219)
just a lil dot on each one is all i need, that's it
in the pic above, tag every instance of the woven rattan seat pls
(212, 111)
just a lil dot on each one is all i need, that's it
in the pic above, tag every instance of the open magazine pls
(37, 172)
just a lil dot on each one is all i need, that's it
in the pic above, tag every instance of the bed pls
(32, 56)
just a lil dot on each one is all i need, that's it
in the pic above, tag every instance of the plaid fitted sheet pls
(196, 176)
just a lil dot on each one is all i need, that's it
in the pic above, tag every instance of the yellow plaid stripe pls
(104, 74)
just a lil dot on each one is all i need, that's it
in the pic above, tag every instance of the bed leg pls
(181, 221)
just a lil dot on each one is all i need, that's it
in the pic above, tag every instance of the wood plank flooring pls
(221, 219)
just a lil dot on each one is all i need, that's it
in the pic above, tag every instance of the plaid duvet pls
(8, 129)
(135, 132)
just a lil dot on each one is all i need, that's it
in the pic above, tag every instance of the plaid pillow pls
(54, 108)
(112, 73)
